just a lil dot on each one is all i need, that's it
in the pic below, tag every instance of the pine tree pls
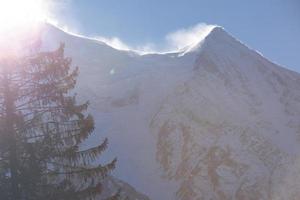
(42, 128)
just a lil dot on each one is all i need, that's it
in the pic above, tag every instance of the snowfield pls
(215, 121)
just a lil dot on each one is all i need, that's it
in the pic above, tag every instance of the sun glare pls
(15, 14)
(19, 24)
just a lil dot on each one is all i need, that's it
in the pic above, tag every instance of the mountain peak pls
(218, 39)
(219, 34)
(217, 30)
(216, 33)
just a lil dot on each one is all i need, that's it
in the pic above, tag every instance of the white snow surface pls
(218, 121)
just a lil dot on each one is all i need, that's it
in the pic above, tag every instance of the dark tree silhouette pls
(41, 130)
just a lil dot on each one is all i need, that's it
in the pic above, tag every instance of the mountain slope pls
(218, 121)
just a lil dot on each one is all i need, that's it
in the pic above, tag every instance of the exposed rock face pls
(216, 122)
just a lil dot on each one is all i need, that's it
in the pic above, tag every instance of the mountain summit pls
(216, 121)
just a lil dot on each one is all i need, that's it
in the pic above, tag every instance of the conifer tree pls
(42, 128)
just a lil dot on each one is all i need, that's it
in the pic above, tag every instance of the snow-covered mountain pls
(217, 121)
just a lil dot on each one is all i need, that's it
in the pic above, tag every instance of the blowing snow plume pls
(188, 37)
(173, 42)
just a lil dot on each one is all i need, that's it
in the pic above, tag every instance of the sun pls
(20, 24)
(15, 14)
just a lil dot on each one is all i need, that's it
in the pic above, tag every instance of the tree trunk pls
(11, 138)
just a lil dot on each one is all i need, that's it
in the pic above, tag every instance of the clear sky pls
(269, 26)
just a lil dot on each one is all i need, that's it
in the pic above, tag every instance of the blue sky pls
(269, 26)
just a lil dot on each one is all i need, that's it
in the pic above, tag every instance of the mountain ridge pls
(221, 122)
(217, 32)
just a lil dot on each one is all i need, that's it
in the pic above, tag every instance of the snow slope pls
(217, 121)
